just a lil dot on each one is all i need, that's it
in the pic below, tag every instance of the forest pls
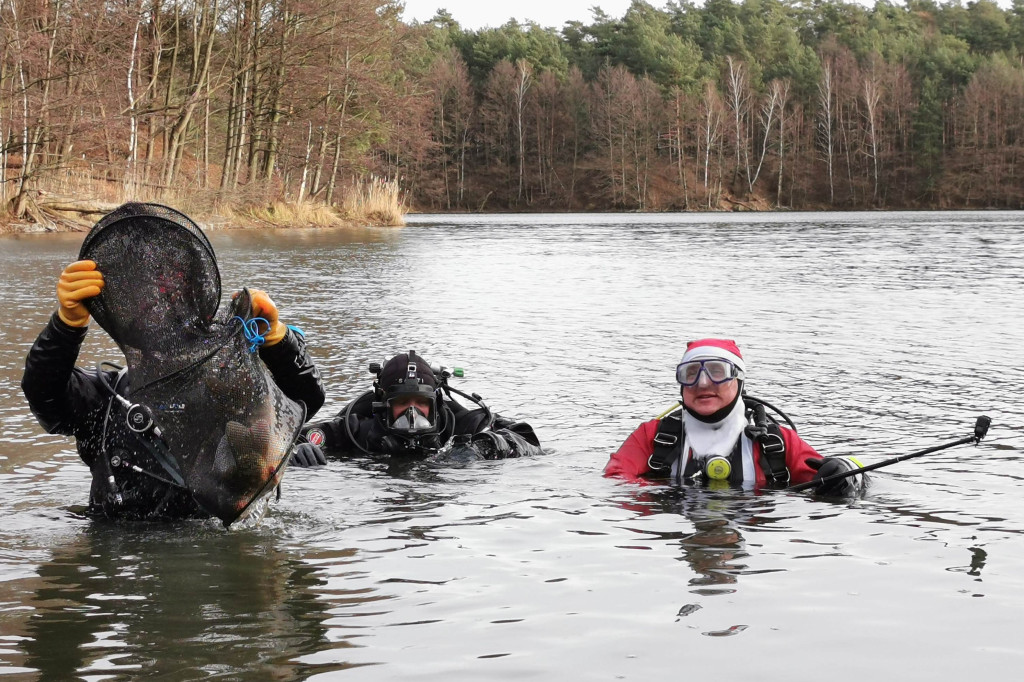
(759, 104)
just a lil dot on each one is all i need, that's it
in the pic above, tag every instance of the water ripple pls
(879, 333)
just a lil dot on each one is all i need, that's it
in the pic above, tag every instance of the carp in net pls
(221, 418)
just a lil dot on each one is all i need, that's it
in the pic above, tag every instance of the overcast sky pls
(475, 14)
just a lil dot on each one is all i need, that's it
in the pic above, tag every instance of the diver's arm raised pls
(294, 371)
(51, 378)
(284, 353)
(58, 393)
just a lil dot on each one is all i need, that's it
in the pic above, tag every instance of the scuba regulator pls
(717, 468)
(142, 424)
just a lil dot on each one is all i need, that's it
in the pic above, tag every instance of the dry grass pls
(374, 202)
(285, 214)
(93, 185)
(73, 199)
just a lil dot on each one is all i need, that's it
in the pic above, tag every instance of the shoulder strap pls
(667, 443)
(773, 456)
(768, 435)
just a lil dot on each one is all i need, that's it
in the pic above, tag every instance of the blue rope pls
(252, 331)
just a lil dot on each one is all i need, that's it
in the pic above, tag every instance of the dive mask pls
(413, 418)
(718, 371)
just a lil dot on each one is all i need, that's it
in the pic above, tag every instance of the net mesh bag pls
(222, 418)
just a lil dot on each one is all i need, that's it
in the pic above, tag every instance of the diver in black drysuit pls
(74, 402)
(411, 413)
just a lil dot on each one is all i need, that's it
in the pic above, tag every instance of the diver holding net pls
(203, 419)
(412, 412)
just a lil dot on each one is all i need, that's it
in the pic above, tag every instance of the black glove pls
(830, 466)
(308, 455)
(517, 441)
(462, 451)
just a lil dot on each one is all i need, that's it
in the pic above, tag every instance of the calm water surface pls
(879, 333)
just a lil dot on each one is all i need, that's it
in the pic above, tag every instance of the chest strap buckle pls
(667, 440)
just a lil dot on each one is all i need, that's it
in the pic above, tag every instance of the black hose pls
(166, 462)
(345, 412)
(476, 399)
(112, 494)
(758, 401)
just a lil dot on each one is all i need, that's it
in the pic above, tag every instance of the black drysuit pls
(471, 432)
(73, 402)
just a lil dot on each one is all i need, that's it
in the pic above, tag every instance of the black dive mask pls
(412, 419)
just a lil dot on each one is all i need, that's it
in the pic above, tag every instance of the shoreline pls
(276, 216)
(42, 210)
(219, 222)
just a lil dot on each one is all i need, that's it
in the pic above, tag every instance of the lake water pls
(878, 333)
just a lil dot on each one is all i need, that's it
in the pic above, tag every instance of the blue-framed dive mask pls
(718, 371)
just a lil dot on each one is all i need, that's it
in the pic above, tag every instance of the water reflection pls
(184, 601)
(406, 468)
(978, 559)
(716, 549)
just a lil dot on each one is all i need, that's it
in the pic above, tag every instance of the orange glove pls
(79, 281)
(263, 306)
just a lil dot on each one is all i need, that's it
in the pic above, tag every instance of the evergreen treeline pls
(804, 104)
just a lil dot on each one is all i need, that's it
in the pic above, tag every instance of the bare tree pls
(711, 116)
(452, 94)
(826, 123)
(771, 107)
(133, 122)
(499, 121)
(677, 140)
(871, 98)
(778, 91)
(738, 99)
(203, 24)
(524, 78)
(579, 118)
(35, 130)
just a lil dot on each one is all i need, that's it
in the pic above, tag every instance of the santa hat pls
(723, 349)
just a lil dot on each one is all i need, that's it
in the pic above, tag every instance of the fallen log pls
(69, 213)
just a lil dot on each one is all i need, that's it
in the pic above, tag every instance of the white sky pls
(475, 14)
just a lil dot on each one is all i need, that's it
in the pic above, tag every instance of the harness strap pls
(773, 453)
(156, 448)
(773, 449)
(667, 442)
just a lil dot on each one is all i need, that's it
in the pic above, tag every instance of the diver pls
(412, 412)
(132, 478)
(721, 437)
